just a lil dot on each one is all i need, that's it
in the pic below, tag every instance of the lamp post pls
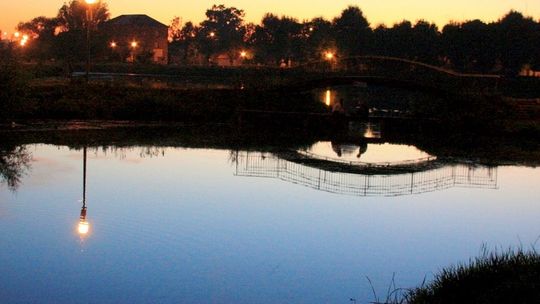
(134, 44)
(89, 20)
(243, 55)
(83, 226)
(330, 56)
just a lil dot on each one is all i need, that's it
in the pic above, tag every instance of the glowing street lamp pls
(243, 54)
(212, 34)
(134, 44)
(113, 44)
(329, 55)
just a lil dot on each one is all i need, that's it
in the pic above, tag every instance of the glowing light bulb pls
(329, 55)
(83, 227)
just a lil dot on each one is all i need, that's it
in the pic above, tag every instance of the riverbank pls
(448, 145)
(497, 277)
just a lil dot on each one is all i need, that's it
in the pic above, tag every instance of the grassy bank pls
(119, 102)
(507, 277)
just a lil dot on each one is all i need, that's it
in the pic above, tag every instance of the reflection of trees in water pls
(121, 152)
(14, 162)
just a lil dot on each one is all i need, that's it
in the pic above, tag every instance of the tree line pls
(504, 46)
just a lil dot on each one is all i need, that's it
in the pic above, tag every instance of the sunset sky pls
(377, 11)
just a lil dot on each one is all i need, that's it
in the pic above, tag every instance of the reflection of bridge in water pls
(257, 164)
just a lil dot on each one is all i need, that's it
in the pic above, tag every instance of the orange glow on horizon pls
(377, 11)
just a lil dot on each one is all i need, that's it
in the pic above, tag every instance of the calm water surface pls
(172, 225)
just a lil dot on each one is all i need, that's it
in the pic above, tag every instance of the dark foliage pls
(11, 80)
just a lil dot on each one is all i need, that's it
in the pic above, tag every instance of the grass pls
(512, 276)
(117, 102)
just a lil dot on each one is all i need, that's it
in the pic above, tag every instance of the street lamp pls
(89, 19)
(84, 227)
(329, 56)
(113, 44)
(134, 44)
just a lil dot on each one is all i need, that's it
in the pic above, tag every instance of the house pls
(138, 36)
(529, 72)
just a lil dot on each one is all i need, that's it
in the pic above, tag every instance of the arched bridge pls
(389, 71)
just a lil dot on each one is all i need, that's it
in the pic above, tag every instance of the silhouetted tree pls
(396, 41)
(425, 38)
(352, 32)
(183, 42)
(469, 46)
(319, 38)
(11, 81)
(73, 23)
(277, 38)
(222, 32)
(515, 35)
(73, 15)
(42, 31)
(14, 161)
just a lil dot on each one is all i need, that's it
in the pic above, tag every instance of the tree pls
(42, 30)
(278, 39)
(469, 46)
(14, 162)
(11, 81)
(184, 42)
(425, 37)
(396, 41)
(73, 23)
(222, 32)
(319, 38)
(73, 15)
(515, 35)
(353, 34)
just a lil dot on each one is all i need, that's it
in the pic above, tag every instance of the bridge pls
(388, 71)
(268, 165)
(380, 70)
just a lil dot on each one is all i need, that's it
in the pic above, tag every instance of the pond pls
(191, 224)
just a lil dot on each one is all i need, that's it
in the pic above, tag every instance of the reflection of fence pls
(256, 164)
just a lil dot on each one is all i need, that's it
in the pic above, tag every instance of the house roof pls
(139, 20)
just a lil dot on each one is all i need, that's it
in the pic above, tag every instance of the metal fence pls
(257, 164)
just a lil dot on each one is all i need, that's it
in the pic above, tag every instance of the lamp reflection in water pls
(83, 227)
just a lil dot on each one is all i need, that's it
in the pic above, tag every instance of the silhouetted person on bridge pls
(337, 108)
(339, 120)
